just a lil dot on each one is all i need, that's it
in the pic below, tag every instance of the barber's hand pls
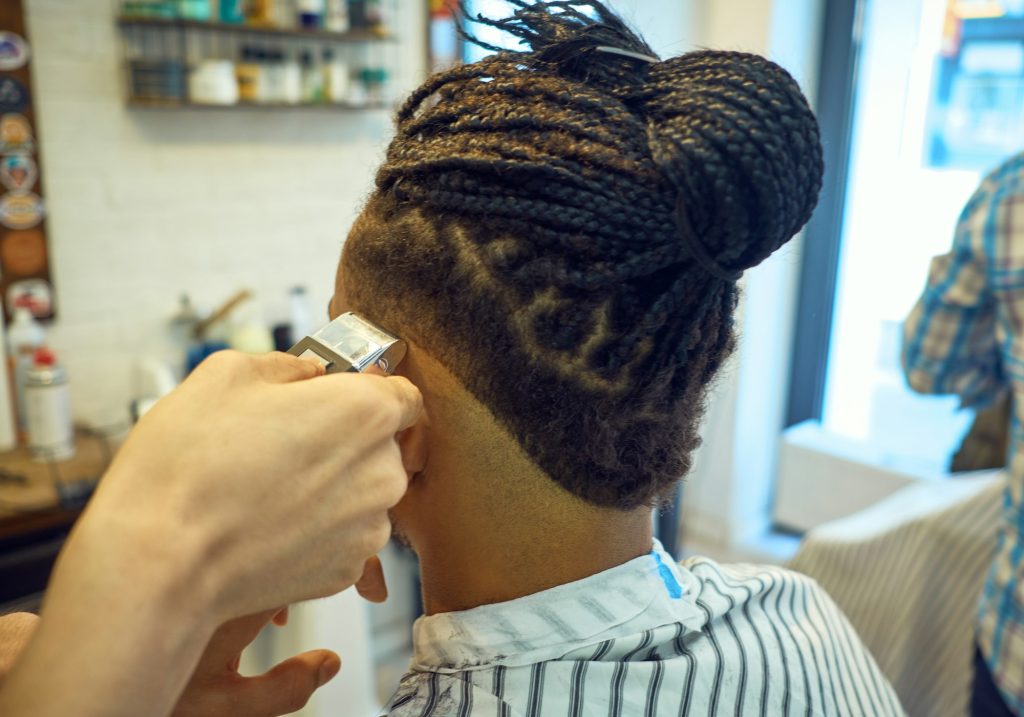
(217, 689)
(15, 631)
(271, 478)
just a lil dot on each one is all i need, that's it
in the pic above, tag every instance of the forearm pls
(122, 627)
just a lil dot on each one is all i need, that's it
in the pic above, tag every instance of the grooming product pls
(358, 93)
(285, 13)
(259, 12)
(337, 79)
(291, 81)
(249, 75)
(273, 77)
(352, 344)
(250, 334)
(375, 14)
(8, 426)
(51, 434)
(231, 11)
(24, 336)
(374, 81)
(311, 14)
(336, 19)
(299, 315)
(312, 79)
(194, 10)
(213, 82)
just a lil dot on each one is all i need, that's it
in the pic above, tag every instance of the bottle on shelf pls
(373, 80)
(24, 336)
(311, 14)
(286, 13)
(8, 425)
(273, 77)
(299, 315)
(336, 18)
(213, 82)
(291, 80)
(249, 75)
(312, 79)
(259, 12)
(194, 10)
(51, 434)
(231, 12)
(337, 78)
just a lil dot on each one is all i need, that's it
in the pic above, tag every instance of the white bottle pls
(250, 334)
(337, 16)
(8, 427)
(337, 78)
(291, 81)
(24, 336)
(51, 434)
(300, 317)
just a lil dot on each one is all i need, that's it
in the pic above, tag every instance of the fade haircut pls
(563, 228)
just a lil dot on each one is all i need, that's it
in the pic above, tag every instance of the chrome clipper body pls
(351, 343)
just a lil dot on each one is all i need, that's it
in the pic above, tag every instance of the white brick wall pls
(145, 205)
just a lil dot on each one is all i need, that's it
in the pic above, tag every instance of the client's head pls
(562, 230)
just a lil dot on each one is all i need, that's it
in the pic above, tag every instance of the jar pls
(213, 82)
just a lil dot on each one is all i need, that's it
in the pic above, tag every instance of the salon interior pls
(179, 176)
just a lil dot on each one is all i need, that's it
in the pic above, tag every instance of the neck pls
(501, 559)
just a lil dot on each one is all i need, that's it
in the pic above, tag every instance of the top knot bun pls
(730, 131)
(735, 136)
(564, 38)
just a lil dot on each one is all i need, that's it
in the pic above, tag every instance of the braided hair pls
(564, 226)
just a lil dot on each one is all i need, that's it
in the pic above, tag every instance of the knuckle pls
(380, 534)
(298, 688)
(225, 360)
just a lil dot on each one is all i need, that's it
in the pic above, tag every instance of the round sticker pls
(15, 134)
(33, 294)
(18, 172)
(23, 252)
(21, 210)
(13, 51)
(13, 95)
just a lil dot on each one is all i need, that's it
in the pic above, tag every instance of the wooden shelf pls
(242, 29)
(188, 105)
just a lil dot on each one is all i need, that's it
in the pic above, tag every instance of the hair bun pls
(734, 135)
(566, 38)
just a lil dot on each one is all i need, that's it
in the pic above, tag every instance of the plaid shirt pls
(966, 336)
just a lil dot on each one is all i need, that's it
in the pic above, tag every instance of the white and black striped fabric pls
(908, 572)
(650, 637)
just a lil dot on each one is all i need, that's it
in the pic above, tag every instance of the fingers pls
(231, 638)
(408, 400)
(280, 367)
(413, 444)
(288, 686)
(15, 631)
(281, 618)
(372, 586)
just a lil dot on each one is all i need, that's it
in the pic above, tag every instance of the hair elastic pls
(627, 53)
(698, 250)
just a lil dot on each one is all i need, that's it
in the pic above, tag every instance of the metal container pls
(51, 433)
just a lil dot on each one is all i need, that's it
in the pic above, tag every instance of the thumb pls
(287, 687)
(280, 367)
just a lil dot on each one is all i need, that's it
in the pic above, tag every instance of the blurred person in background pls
(965, 336)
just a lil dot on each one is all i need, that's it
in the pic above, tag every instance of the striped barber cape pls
(649, 637)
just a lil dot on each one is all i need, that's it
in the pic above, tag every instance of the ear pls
(413, 442)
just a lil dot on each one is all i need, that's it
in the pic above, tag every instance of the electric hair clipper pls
(351, 343)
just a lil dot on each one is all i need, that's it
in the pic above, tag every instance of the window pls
(918, 101)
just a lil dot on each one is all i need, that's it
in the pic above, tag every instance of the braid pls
(580, 214)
